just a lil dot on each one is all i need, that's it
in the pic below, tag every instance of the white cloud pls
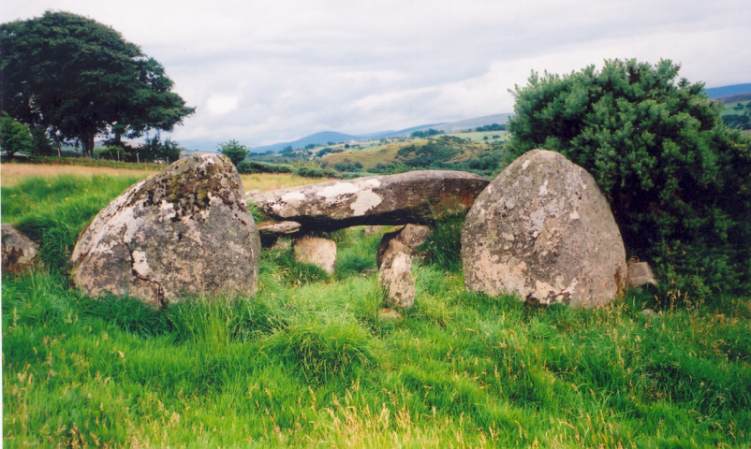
(265, 71)
(222, 104)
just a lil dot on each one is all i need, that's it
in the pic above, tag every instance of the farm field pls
(370, 156)
(12, 174)
(308, 362)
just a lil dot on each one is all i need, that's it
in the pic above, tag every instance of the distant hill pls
(729, 93)
(319, 138)
(337, 137)
(733, 90)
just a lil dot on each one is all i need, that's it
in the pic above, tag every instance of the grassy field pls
(308, 363)
(371, 156)
(13, 173)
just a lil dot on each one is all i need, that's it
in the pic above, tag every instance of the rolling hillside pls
(733, 90)
(328, 137)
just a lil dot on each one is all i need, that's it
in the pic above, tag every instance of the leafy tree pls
(79, 78)
(433, 154)
(426, 133)
(234, 151)
(287, 151)
(42, 144)
(15, 137)
(348, 166)
(491, 127)
(154, 149)
(676, 177)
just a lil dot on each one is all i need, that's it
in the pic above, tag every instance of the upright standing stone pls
(543, 230)
(411, 236)
(395, 275)
(184, 231)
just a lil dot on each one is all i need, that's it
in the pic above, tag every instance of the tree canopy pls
(675, 175)
(78, 78)
(235, 151)
(14, 136)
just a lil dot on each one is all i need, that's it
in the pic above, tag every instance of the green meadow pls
(309, 363)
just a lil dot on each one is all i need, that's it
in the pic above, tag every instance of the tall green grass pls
(52, 211)
(308, 362)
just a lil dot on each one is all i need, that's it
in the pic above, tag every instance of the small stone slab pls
(316, 251)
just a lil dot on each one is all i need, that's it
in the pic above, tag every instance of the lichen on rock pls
(543, 230)
(421, 196)
(184, 231)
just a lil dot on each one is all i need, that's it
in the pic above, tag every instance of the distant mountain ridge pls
(717, 93)
(324, 137)
(740, 91)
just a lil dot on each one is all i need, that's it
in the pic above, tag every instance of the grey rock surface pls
(184, 231)
(270, 231)
(410, 235)
(19, 253)
(413, 197)
(640, 274)
(317, 251)
(395, 275)
(543, 230)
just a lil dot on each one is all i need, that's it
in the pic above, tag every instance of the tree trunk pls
(87, 143)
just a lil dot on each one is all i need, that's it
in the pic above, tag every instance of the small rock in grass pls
(317, 251)
(640, 274)
(19, 253)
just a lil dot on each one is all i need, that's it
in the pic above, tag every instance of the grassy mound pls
(308, 363)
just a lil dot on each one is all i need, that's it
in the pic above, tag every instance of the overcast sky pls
(268, 71)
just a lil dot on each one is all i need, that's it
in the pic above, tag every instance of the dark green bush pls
(676, 176)
(434, 154)
(15, 136)
(262, 167)
(313, 172)
(348, 166)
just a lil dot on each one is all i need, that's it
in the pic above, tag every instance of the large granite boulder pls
(543, 230)
(184, 231)
(413, 197)
(19, 253)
